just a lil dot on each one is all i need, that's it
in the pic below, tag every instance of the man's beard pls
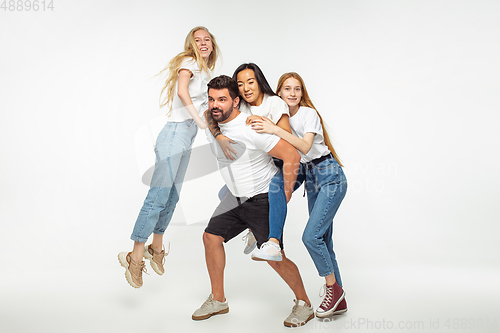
(223, 114)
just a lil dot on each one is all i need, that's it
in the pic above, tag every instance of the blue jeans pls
(173, 150)
(326, 186)
(278, 205)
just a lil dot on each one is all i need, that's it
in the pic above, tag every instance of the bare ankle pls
(274, 240)
(219, 298)
(135, 258)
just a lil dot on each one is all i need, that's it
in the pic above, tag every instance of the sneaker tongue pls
(300, 302)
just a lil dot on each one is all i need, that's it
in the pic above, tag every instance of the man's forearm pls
(290, 171)
(291, 163)
(213, 126)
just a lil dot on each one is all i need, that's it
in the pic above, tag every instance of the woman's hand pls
(252, 118)
(264, 125)
(225, 144)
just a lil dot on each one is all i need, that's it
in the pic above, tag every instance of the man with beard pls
(246, 205)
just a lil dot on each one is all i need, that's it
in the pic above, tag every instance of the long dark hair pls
(259, 76)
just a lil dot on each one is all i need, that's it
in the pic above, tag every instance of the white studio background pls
(409, 90)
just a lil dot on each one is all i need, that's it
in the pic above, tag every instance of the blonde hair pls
(306, 101)
(190, 51)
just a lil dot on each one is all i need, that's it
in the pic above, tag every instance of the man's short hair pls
(222, 82)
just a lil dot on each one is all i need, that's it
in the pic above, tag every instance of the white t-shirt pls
(272, 107)
(306, 120)
(251, 173)
(197, 90)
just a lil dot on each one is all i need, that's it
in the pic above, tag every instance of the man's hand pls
(225, 144)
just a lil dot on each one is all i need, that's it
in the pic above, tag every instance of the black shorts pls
(234, 215)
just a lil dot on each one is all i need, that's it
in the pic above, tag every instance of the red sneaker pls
(342, 308)
(333, 296)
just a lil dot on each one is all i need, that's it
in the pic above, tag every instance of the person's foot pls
(342, 308)
(334, 294)
(301, 314)
(250, 242)
(133, 270)
(210, 308)
(156, 259)
(269, 251)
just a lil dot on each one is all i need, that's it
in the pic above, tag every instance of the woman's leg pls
(271, 250)
(278, 205)
(172, 156)
(326, 188)
(277, 208)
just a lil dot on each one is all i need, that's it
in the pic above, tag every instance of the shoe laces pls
(165, 254)
(328, 293)
(297, 308)
(207, 303)
(246, 238)
(141, 268)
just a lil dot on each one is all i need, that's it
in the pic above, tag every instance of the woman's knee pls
(308, 239)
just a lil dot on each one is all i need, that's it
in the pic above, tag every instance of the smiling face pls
(291, 93)
(249, 87)
(203, 42)
(221, 105)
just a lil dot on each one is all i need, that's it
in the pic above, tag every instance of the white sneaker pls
(250, 242)
(210, 308)
(269, 251)
(301, 314)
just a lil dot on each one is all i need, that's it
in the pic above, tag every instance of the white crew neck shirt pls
(251, 173)
(197, 90)
(272, 107)
(306, 120)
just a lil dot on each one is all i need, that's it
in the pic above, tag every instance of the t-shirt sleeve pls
(311, 122)
(265, 141)
(189, 64)
(278, 108)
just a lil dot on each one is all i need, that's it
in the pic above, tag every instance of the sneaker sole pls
(339, 312)
(302, 323)
(122, 258)
(258, 257)
(332, 310)
(152, 263)
(226, 310)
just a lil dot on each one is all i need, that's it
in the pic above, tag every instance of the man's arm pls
(291, 163)
(224, 142)
(213, 126)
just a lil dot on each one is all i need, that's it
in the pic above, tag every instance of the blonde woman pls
(185, 93)
(325, 183)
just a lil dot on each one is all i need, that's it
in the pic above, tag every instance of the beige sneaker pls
(156, 259)
(133, 270)
(301, 314)
(250, 242)
(210, 308)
